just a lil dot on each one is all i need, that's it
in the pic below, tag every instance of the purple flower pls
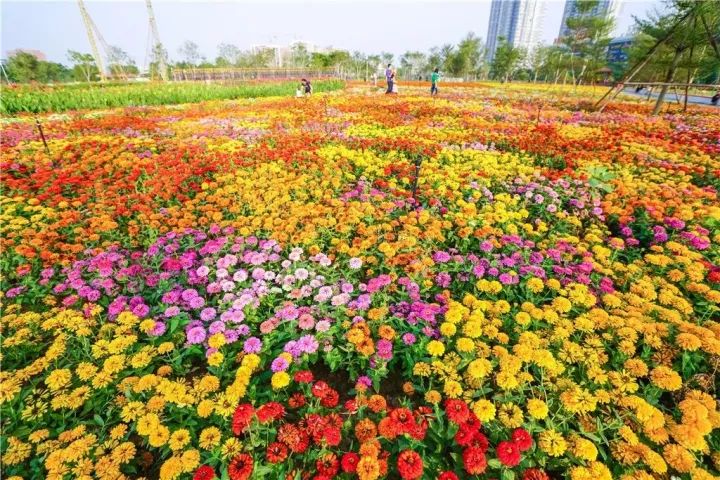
(364, 380)
(355, 263)
(207, 314)
(196, 335)
(197, 302)
(307, 344)
(441, 257)
(252, 345)
(279, 365)
(443, 279)
(158, 329)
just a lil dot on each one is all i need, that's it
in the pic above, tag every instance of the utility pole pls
(91, 38)
(162, 66)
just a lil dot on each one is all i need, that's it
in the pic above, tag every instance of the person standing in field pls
(389, 78)
(434, 79)
(308, 87)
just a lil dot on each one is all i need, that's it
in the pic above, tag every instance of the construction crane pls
(157, 46)
(91, 29)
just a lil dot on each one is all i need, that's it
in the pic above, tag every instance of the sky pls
(54, 27)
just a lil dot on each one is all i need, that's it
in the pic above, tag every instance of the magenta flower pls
(252, 345)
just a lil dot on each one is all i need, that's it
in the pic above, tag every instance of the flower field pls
(249, 289)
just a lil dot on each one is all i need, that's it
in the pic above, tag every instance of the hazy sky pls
(368, 26)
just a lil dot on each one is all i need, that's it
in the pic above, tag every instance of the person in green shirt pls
(434, 81)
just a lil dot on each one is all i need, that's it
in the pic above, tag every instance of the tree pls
(413, 64)
(158, 53)
(119, 62)
(506, 61)
(587, 39)
(25, 67)
(228, 54)
(299, 56)
(84, 68)
(466, 59)
(677, 41)
(190, 53)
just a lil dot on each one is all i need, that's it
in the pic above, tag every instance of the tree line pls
(579, 57)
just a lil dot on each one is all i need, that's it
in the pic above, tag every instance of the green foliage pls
(506, 61)
(24, 67)
(588, 38)
(61, 98)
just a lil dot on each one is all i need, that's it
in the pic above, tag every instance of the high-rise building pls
(517, 21)
(604, 7)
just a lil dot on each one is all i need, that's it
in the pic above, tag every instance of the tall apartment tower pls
(517, 21)
(608, 8)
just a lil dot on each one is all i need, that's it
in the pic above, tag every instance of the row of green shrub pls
(34, 99)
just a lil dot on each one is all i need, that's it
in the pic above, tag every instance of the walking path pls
(671, 96)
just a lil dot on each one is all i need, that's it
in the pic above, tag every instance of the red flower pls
(204, 472)
(410, 465)
(351, 406)
(480, 441)
(418, 430)
(535, 474)
(465, 434)
(447, 476)
(474, 460)
(320, 388)
(331, 399)
(508, 453)
(714, 276)
(332, 436)
(276, 452)
(242, 418)
(241, 467)
(349, 462)
(523, 439)
(297, 400)
(270, 411)
(304, 376)
(456, 410)
(404, 420)
(328, 464)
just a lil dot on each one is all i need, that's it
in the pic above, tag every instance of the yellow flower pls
(583, 448)
(679, 458)
(537, 408)
(217, 340)
(171, 469)
(190, 459)
(510, 415)
(58, 379)
(665, 378)
(448, 329)
(435, 348)
(39, 435)
(472, 329)
(465, 345)
(124, 452)
(280, 380)
(179, 439)
(17, 451)
(552, 443)
(484, 410)
(118, 431)
(452, 389)
(251, 361)
(205, 408)
(210, 438)
(215, 359)
(159, 437)
(433, 396)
